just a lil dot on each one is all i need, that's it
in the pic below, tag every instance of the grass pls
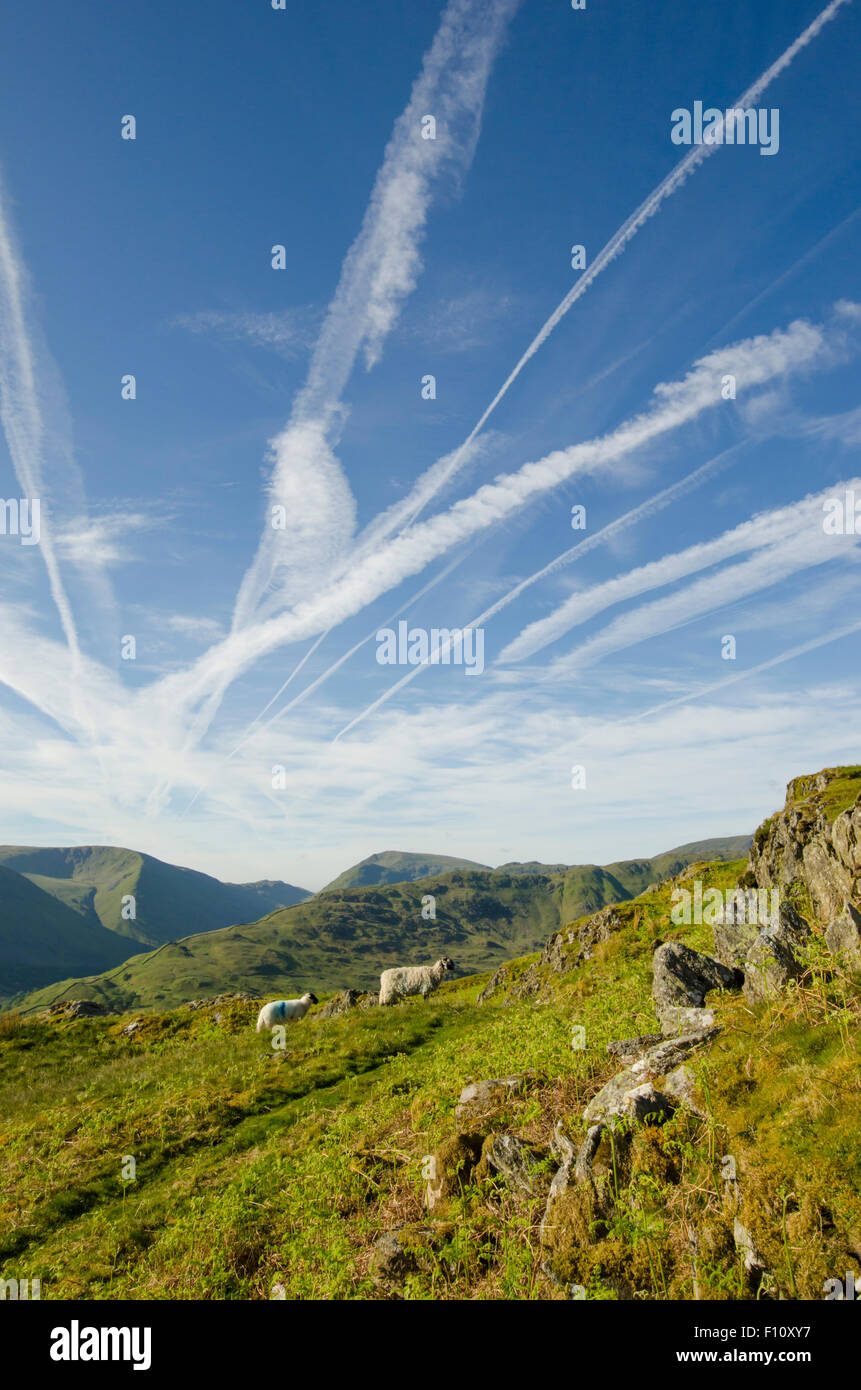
(254, 1168)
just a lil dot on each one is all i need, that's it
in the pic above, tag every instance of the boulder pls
(682, 977)
(404, 1251)
(680, 1086)
(452, 1167)
(645, 1102)
(562, 1148)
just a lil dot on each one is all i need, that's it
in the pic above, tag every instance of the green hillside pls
(43, 937)
(344, 938)
(72, 921)
(396, 866)
(304, 1173)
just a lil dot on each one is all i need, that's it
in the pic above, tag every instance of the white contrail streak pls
(380, 270)
(21, 415)
(789, 655)
(575, 552)
(436, 477)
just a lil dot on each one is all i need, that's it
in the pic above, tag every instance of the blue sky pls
(302, 388)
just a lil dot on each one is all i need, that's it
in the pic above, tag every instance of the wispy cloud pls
(290, 332)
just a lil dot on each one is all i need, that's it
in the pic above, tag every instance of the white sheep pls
(284, 1011)
(412, 979)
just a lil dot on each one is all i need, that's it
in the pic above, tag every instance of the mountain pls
(43, 938)
(381, 1135)
(343, 938)
(85, 895)
(396, 866)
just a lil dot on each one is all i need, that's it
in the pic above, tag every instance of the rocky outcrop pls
(624, 1094)
(843, 935)
(812, 854)
(78, 1008)
(628, 1050)
(773, 959)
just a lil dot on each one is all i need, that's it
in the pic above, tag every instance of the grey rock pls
(588, 1150)
(843, 935)
(394, 1257)
(772, 959)
(516, 1162)
(485, 1096)
(682, 977)
(676, 1021)
(629, 1050)
(656, 1062)
(340, 1003)
(131, 1028)
(645, 1101)
(733, 939)
(560, 1145)
(753, 1261)
(680, 1085)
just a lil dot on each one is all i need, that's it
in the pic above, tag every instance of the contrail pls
(427, 487)
(21, 416)
(380, 269)
(575, 552)
(800, 650)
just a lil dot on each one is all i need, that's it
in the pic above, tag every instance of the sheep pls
(412, 979)
(284, 1011)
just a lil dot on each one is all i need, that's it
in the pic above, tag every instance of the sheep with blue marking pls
(402, 980)
(284, 1011)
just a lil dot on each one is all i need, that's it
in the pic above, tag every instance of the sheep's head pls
(446, 962)
(310, 999)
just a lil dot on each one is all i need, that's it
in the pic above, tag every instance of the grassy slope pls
(256, 1167)
(344, 937)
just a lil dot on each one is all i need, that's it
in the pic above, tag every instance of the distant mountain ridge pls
(68, 910)
(398, 866)
(344, 937)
